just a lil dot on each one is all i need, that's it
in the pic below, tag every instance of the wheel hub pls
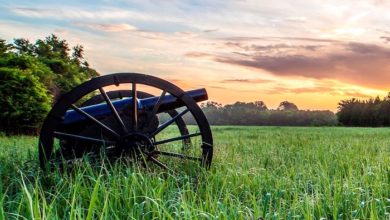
(135, 142)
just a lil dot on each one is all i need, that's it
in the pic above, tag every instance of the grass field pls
(257, 172)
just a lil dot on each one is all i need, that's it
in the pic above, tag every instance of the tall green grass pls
(257, 172)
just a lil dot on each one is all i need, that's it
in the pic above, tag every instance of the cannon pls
(109, 115)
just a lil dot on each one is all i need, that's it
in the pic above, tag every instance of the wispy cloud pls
(270, 47)
(210, 30)
(386, 39)
(76, 13)
(276, 38)
(261, 81)
(194, 54)
(106, 27)
(300, 19)
(356, 94)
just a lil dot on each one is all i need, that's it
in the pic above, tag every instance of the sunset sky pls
(312, 53)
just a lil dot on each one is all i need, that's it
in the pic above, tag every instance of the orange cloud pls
(246, 81)
(357, 63)
(197, 55)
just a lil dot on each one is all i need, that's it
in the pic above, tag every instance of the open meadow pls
(257, 173)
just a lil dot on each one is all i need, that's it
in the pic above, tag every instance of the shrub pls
(24, 101)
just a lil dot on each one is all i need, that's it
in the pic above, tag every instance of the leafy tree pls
(371, 112)
(24, 101)
(69, 70)
(23, 46)
(33, 76)
(78, 55)
(287, 106)
(30, 65)
(261, 105)
(4, 47)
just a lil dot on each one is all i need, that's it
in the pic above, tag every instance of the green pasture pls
(257, 173)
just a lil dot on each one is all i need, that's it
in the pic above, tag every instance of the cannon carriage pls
(101, 116)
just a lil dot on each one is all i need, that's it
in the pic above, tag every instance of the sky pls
(313, 53)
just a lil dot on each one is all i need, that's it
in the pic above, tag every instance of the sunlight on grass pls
(268, 172)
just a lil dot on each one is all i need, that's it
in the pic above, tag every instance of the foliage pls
(29, 65)
(24, 100)
(33, 76)
(257, 113)
(4, 47)
(70, 69)
(287, 106)
(257, 173)
(371, 112)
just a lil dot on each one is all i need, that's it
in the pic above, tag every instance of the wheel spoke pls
(114, 111)
(158, 163)
(82, 138)
(177, 138)
(90, 117)
(166, 124)
(159, 101)
(135, 107)
(156, 106)
(182, 156)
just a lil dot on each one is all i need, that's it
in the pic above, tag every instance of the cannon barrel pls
(100, 110)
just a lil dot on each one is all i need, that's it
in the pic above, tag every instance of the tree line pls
(33, 76)
(257, 113)
(373, 112)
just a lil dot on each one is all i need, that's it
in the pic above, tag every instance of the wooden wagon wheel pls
(132, 131)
